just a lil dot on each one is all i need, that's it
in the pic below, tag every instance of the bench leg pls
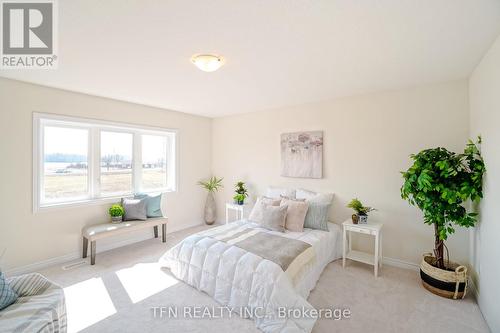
(85, 247)
(164, 232)
(155, 228)
(92, 253)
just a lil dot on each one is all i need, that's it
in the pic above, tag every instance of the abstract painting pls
(302, 154)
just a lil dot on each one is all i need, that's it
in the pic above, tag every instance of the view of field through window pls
(66, 163)
(116, 163)
(154, 164)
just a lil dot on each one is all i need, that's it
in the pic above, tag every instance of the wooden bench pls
(104, 230)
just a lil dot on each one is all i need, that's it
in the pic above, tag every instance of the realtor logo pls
(28, 34)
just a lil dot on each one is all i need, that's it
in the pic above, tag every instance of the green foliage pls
(241, 192)
(440, 182)
(239, 197)
(240, 188)
(213, 184)
(358, 207)
(116, 210)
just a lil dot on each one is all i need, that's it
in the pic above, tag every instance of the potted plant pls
(361, 215)
(241, 193)
(116, 212)
(440, 183)
(212, 185)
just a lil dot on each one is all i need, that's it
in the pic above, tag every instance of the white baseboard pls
(400, 263)
(473, 288)
(73, 256)
(37, 266)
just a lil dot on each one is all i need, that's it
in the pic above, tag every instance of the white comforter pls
(248, 283)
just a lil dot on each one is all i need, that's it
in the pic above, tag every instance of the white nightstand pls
(372, 228)
(241, 210)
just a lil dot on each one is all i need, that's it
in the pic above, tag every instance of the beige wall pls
(30, 238)
(367, 141)
(485, 120)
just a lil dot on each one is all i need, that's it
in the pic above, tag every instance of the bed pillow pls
(7, 295)
(258, 208)
(296, 214)
(317, 216)
(323, 198)
(277, 192)
(274, 218)
(153, 204)
(135, 209)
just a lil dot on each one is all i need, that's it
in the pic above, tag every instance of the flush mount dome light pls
(207, 62)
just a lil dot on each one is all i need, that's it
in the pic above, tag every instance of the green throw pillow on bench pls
(153, 204)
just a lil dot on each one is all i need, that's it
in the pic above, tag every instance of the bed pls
(233, 264)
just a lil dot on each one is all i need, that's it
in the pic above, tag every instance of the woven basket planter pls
(449, 283)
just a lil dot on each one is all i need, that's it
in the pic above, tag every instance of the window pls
(65, 163)
(79, 160)
(116, 163)
(154, 166)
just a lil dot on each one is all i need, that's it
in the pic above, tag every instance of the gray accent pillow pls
(317, 216)
(274, 217)
(258, 208)
(135, 209)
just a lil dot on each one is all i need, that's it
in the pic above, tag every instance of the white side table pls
(240, 210)
(372, 228)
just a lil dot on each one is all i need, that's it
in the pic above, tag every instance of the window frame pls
(94, 127)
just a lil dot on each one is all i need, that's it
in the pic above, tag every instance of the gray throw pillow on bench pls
(135, 209)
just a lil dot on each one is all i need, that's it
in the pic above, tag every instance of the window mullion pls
(137, 163)
(41, 162)
(95, 163)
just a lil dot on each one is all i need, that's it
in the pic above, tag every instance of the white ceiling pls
(278, 52)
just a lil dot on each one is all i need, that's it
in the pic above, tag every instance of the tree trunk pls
(438, 248)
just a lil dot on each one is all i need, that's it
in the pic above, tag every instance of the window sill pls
(90, 202)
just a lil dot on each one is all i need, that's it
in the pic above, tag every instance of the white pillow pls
(277, 192)
(304, 194)
(319, 198)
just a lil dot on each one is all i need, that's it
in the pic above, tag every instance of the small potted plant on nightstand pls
(361, 215)
(116, 212)
(241, 193)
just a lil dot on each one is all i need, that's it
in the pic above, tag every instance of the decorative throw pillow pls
(153, 204)
(7, 295)
(295, 215)
(274, 217)
(317, 216)
(258, 208)
(135, 209)
(277, 192)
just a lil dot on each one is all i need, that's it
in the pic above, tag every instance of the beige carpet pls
(119, 294)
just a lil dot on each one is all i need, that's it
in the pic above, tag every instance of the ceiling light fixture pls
(207, 62)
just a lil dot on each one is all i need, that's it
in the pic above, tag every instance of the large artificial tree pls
(440, 183)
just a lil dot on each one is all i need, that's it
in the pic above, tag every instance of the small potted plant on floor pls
(441, 183)
(212, 185)
(116, 212)
(361, 215)
(241, 193)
